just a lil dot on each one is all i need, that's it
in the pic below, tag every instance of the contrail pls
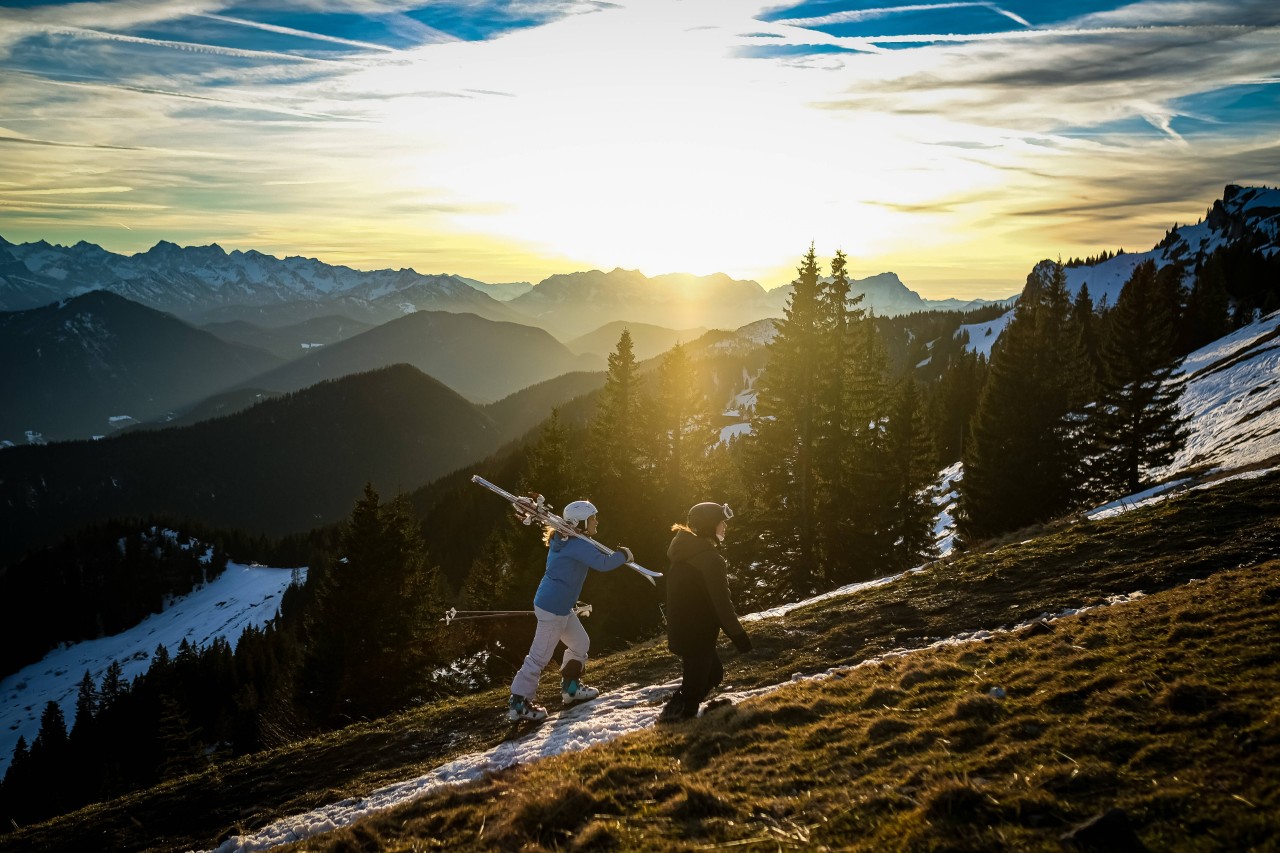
(290, 31)
(885, 11)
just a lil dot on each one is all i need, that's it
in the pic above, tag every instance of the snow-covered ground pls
(1233, 399)
(983, 335)
(241, 596)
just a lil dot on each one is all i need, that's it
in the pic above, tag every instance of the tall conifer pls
(1024, 461)
(782, 454)
(1138, 420)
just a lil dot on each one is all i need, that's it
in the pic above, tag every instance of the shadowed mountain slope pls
(482, 360)
(285, 465)
(71, 367)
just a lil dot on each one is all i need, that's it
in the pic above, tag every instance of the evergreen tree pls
(1084, 320)
(177, 742)
(1208, 314)
(1024, 461)
(863, 543)
(952, 403)
(683, 429)
(620, 428)
(910, 450)
(1138, 422)
(15, 792)
(781, 456)
(371, 639)
(48, 759)
(114, 686)
(621, 478)
(86, 706)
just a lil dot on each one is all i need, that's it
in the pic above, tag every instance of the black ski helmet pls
(704, 517)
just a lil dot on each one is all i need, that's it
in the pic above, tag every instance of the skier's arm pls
(596, 560)
(713, 569)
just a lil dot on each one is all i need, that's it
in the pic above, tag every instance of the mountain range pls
(205, 284)
(208, 285)
(95, 363)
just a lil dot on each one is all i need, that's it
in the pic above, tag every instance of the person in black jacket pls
(698, 607)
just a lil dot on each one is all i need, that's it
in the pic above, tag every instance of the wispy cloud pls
(509, 140)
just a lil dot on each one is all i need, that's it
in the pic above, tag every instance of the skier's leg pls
(576, 644)
(715, 674)
(543, 647)
(702, 671)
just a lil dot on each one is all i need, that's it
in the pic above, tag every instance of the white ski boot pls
(574, 691)
(520, 708)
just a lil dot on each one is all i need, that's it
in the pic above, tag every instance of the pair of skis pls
(533, 508)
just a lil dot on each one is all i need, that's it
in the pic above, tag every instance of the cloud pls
(691, 135)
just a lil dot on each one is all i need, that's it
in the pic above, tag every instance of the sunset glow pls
(955, 144)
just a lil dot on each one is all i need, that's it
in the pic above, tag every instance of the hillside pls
(940, 705)
(481, 359)
(255, 470)
(289, 342)
(89, 365)
(647, 340)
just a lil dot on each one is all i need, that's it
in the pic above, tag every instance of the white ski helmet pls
(578, 512)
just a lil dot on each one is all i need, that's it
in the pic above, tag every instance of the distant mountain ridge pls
(206, 284)
(481, 359)
(73, 366)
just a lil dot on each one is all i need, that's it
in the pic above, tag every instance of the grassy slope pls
(1165, 707)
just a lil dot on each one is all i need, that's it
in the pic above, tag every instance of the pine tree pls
(621, 479)
(1138, 422)
(87, 700)
(368, 643)
(862, 545)
(114, 686)
(1024, 461)
(620, 428)
(781, 456)
(180, 750)
(1208, 314)
(1084, 320)
(683, 429)
(842, 416)
(910, 450)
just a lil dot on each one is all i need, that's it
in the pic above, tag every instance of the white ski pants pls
(552, 629)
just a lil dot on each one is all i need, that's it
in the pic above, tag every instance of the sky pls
(954, 143)
(1234, 411)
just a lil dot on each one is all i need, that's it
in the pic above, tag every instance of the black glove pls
(743, 642)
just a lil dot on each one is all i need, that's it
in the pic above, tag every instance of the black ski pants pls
(702, 673)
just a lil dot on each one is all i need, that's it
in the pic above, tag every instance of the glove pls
(743, 642)
(627, 551)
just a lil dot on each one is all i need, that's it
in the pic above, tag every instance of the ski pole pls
(453, 614)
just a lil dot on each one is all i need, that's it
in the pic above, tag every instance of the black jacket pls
(698, 604)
